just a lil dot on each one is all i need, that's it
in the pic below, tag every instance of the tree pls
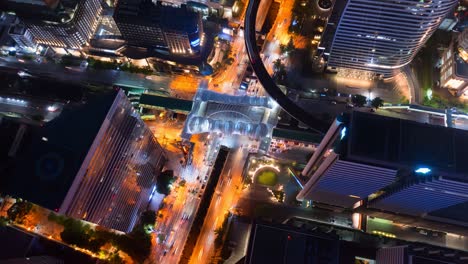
(219, 232)
(182, 183)
(359, 100)
(282, 48)
(19, 210)
(277, 65)
(137, 244)
(37, 117)
(290, 47)
(69, 60)
(148, 218)
(377, 102)
(59, 219)
(230, 61)
(75, 233)
(3, 221)
(163, 182)
(115, 259)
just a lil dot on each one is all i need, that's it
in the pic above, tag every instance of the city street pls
(225, 197)
(26, 108)
(229, 80)
(172, 229)
(105, 77)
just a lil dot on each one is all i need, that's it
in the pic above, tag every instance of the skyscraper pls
(164, 28)
(22, 37)
(67, 24)
(391, 164)
(97, 162)
(381, 36)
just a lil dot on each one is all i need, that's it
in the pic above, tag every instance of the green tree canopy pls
(377, 102)
(148, 218)
(164, 180)
(290, 46)
(359, 100)
(19, 210)
(278, 65)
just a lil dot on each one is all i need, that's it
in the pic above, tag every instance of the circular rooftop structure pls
(325, 4)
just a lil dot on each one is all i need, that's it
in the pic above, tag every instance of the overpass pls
(449, 115)
(165, 103)
(265, 79)
(424, 109)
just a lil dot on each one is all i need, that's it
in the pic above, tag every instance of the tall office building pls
(454, 66)
(389, 164)
(97, 162)
(381, 36)
(22, 37)
(154, 26)
(62, 23)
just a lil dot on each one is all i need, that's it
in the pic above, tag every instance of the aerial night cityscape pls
(234, 131)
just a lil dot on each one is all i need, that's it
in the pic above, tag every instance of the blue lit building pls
(389, 164)
(381, 36)
(157, 27)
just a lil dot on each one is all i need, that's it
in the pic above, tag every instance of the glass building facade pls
(158, 27)
(66, 24)
(118, 174)
(381, 36)
(394, 171)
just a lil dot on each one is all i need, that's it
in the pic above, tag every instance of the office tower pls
(23, 37)
(302, 240)
(381, 36)
(392, 164)
(97, 162)
(157, 27)
(454, 66)
(67, 24)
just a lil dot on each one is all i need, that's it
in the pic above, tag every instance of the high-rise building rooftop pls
(97, 162)
(381, 36)
(392, 164)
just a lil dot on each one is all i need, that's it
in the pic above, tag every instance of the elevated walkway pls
(165, 103)
(297, 135)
